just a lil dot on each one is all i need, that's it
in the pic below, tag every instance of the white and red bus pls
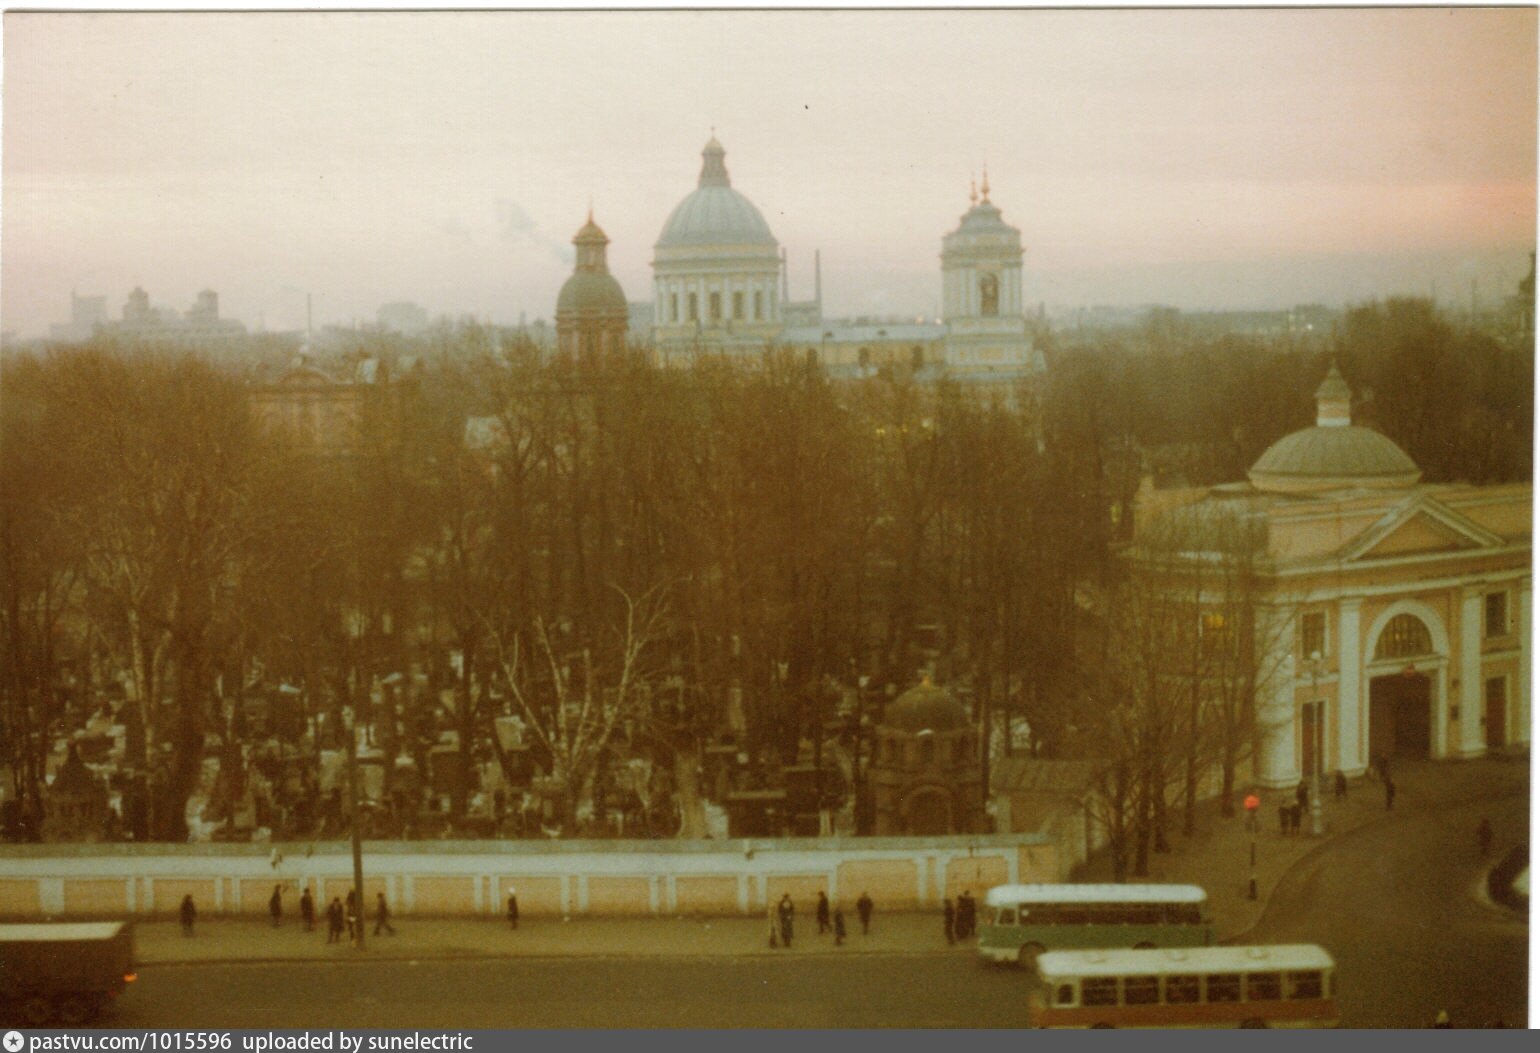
(1291, 985)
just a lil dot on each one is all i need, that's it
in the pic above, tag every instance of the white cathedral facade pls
(719, 288)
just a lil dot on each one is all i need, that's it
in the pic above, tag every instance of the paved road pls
(1397, 904)
(866, 991)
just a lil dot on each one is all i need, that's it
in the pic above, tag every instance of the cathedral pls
(719, 288)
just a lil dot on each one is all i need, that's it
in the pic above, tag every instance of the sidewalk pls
(227, 940)
(1217, 857)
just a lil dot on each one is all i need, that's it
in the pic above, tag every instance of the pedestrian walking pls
(513, 908)
(1484, 836)
(275, 905)
(355, 924)
(1302, 795)
(823, 913)
(334, 921)
(1339, 781)
(382, 915)
(1294, 817)
(966, 913)
(188, 914)
(786, 913)
(864, 909)
(839, 927)
(1390, 794)
(307, 910)
(949, 919)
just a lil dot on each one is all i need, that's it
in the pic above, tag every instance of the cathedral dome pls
(925, 708)
(1335, 454)
(714, 213)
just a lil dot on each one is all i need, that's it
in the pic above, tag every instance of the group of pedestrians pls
(340, 917)
(830, 918)
(962, 920)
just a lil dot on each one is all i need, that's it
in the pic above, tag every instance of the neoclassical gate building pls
(1395, 613)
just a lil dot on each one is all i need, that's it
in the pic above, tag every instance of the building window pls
(1497, 614)
(1404, 637)
(737, 305)
(694, 308)
(989, 296)
(1213, 632)
(1312, 635)
(673, 307)
(759, 305)
(716, 306)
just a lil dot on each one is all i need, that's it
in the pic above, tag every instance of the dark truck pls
(64, 972)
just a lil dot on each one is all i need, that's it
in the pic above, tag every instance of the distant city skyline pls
(1201, 159)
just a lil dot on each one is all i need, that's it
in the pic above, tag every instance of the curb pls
(438, 956)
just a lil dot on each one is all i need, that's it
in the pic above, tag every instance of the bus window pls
(1144, 915)
(1263, 987)
(1007, 916)
(1141, 990)
(1099, 990)
(1065, 995)
(1073, 916)
(1224, 987)
(1305, 985)
(1181, 990)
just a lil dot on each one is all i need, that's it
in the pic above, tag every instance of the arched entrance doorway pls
(930, 812)
(1401, 702)
(1400, 723)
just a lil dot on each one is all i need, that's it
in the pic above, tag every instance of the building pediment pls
(1417, 527)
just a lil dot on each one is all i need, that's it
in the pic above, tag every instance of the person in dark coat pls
(513, 908)
(382, 915)
(823, 913)
(967, 914)
(355, 923)
(949, 919)
(307, 910)
(275, 905)
(1390, 794)
(786, 913)
(1339, 782)
(839, 927)
(864, 909)
(1302, 795)
(188, 914)
(1283, 818)
(334, 921)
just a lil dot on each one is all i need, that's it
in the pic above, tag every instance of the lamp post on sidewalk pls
(1252, 803)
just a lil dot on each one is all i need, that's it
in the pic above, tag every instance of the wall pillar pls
(1521, 725)
(1277, 716)
(1351, 700)
(1472, 741)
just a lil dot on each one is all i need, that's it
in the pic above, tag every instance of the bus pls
(1282, 986)
(1022, 921)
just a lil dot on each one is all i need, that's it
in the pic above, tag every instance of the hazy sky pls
(1226, 158)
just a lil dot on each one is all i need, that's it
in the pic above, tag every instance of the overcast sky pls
(1198, 158)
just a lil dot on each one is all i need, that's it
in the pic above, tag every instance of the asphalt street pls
(866, 991)
(1398, 904)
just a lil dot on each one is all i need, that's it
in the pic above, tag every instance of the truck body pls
(65, 972)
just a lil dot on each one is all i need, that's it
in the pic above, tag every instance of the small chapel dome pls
(714, 213)
(591, 290)
(925, 708)
(1336, 454)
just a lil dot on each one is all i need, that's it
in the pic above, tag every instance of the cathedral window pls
(989, 296)
(1404, 637)
(673, 307)
(694, 308)
(737, 305)
(759, 305)
(716, 306)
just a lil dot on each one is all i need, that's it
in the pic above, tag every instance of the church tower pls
(981, 300)
(591, 312)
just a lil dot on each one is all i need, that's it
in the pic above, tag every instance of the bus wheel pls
(1254, 1022)
(1145, 946)
(1027, 956)
(1095, 1026)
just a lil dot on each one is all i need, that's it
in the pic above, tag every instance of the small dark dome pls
(925, 708)
(591, 293)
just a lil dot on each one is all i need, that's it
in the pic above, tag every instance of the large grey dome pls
(714, 213)
(1333, 457)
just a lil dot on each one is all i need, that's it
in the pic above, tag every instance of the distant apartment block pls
(199, 327)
